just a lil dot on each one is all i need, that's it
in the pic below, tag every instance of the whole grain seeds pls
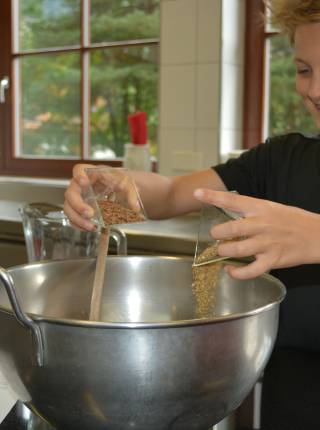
(115, 213)
(205, 279)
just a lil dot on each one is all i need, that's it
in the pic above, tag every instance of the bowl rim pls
(147, 325)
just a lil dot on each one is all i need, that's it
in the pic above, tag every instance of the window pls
(285, 110)
(272, 106)
(76, 68)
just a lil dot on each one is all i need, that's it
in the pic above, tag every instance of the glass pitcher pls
(50, 236)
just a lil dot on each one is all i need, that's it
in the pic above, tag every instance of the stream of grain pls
(205, 280)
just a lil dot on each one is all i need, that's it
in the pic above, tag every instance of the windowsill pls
(29, 189)
(57, 183)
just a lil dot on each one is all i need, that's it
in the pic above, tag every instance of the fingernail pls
(87, 214)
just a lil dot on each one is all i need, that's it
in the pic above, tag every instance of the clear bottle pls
(137, 157)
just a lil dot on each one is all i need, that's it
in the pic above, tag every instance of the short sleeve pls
(264, 171)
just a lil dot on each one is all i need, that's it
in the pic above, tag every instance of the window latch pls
(4, 85)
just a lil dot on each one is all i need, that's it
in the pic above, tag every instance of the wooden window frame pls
(256, 38)
(254, 74)
(52, 168)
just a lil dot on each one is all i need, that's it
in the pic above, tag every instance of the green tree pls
(122, 79)
(287, 112)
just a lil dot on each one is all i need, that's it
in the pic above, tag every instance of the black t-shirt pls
(286, 169)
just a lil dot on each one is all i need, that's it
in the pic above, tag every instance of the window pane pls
(286, 111)
(117, 20)
(50, 117)
(123, 80)
(49, 23)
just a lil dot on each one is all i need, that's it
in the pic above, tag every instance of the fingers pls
(76, 219)
(78, 212)
(227, 200)
(238, 228)
(74, 199)
(240, 248)
(127, 193)
(79, 173)
(252, 270)
(133, 200)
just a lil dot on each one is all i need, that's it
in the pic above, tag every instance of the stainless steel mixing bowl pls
(155, 365)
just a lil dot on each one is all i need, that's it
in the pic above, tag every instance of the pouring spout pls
(120, 238)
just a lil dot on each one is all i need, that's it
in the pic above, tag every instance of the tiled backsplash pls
(189, 83)
(201, 75)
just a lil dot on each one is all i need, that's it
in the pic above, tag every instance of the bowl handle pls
(23, 318)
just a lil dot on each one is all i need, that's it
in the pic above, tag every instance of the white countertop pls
(43, 182)
(9, 211)
(172, 235)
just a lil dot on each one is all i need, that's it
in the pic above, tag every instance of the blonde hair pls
(288, 14)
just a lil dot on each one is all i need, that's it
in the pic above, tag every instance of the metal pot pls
(156, 366)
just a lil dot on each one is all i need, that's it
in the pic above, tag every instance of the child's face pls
(307, 60)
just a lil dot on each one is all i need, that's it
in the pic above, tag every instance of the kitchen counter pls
(175, 236)
(172, 236)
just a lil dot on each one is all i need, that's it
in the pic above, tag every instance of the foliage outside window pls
(286, 111)
(272, 105)
(80, 68)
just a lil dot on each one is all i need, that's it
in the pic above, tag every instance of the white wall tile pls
(191, 82)
(209, 31)
(208, 95)
(186, 161)
(177, 96)
(174, 139)
(178, 32)
(207, 142)
(179, 138)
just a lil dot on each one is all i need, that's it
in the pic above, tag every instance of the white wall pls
(190, 57)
